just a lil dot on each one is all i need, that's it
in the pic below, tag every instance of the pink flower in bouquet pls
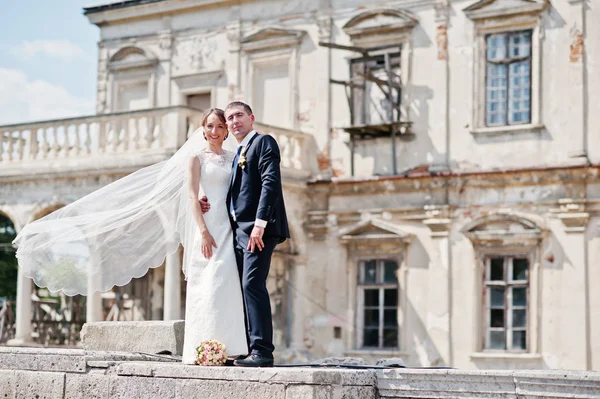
(211, 353)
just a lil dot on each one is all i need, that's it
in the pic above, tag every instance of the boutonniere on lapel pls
(242, 161)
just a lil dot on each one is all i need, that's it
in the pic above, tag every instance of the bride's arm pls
(193, 189)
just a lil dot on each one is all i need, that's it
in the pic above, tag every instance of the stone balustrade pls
(143, 137)
(121, 132)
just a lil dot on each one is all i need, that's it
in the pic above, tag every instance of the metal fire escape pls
(380, 67)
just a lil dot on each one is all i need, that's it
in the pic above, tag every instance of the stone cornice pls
(128, 10)
(455, 179)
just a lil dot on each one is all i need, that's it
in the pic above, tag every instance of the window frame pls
(508, 60)
(361, 114)
(381, 287)
(506, 25)
(509, 285)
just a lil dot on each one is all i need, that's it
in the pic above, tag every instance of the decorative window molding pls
(495, 9)
(272, 39)
(379, 27)
(132, 57)
(131, 66)
(270, 47)
(204, 82)
(376, 251)
(500, 241)
(494, 17)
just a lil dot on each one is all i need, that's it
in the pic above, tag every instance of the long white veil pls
(115, 233)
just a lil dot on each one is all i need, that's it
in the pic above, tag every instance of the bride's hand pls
(208, 242)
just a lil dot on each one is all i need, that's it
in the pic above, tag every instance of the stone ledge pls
(134, 336)
(431, 383)
(110, 375)
(295, 375)
(13, 358)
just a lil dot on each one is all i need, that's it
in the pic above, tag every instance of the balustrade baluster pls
(113, 136)
(156, 135)
(3, 145)
(135, 135)
(44, 146)
(123, 135)
(10, 146)
(54, 147)
(297, 152)
(87, 142)
(32, 144)
(76, 149)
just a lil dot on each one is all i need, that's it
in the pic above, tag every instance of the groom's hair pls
(240, 104)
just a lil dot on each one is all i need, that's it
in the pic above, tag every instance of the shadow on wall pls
(410, 152)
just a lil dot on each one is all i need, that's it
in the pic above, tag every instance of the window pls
(378, 303)
(371, 90)
(508, 78)
(506, 282)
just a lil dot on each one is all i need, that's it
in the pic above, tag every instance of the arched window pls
(8, 260)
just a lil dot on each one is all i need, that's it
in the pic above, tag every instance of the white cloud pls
(25, 100)
(63, 49)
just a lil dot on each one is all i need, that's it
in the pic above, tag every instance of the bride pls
(214, 305)
(122, 230)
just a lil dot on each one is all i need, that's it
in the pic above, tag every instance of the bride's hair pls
(220, 114)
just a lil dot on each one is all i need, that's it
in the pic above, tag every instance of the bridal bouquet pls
(211, 353)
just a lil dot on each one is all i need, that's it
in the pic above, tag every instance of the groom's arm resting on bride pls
(270, 193)
(208, 242)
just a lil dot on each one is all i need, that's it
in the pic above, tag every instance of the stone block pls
(88, 386)
(134, 336)
(228, 390)
(557, 383)
(39, 385)
(67, 360)
(309, 392)
(293, 375)
(7, 384)
(142, 388)
(330, 392)
(432, 383)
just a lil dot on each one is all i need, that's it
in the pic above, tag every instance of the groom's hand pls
(256, 241)
(204, 204)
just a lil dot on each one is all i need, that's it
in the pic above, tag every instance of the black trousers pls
(254, 270)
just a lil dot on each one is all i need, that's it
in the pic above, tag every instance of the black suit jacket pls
(256, 190)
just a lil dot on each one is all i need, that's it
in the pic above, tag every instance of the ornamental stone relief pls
(195, 53)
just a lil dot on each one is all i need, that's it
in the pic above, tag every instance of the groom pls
(259, 222)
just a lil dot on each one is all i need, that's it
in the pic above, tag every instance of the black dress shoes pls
(229, 361)
(254, 360)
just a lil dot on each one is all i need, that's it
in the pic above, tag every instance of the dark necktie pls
(235, 168)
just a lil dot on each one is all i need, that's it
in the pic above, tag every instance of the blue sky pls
(48, 54)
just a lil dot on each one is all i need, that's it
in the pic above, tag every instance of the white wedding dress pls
(214, 305)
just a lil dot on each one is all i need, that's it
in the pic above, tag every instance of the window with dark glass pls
(506, 303)
(378, 287)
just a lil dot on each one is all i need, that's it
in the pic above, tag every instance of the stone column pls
(94, 307)
(172, 308)
(24, 310)
(574, 352)
(575, 100)
(438, 321)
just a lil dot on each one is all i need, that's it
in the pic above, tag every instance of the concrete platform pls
(57, 373)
